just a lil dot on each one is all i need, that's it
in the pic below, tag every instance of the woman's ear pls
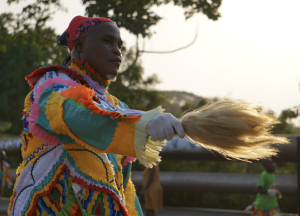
(78, 45)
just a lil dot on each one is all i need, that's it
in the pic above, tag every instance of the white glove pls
(164, 126)
(272, 192)
(249, 208)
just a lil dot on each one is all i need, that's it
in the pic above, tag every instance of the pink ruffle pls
(35, 109)
(128, 160)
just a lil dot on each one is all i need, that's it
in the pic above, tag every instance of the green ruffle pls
(70, 203)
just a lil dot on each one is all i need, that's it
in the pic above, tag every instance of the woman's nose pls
(117, 51)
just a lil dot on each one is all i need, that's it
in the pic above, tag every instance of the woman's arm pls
(64, 111)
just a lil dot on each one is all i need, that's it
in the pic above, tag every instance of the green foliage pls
(6, 20)
(25, 51)
(34, 15)
(137, 17)
(284, 127)
(4, 126)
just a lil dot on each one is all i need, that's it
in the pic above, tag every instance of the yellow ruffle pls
(130, 198)
(112, 99)
(33, 144)
(90, 164)
(54, 112)
(146, 150)
(27, 103)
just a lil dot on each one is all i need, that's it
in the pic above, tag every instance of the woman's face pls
(100, 47)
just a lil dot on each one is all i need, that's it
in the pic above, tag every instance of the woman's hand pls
(164, 126)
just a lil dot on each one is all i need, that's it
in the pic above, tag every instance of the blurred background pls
(247, 50)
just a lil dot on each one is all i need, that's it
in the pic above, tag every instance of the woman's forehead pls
(105, 29)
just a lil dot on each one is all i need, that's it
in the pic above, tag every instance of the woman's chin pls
(111, 77)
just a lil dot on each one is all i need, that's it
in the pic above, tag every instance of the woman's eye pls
(107, 41)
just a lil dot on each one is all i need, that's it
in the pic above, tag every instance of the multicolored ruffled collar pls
(100, 84)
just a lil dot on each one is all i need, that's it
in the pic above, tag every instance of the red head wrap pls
(77, 27)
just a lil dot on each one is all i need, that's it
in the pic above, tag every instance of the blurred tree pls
(34, 15)
(284, 127)
(24, 48)
(131, 88)
(4, 126)
(137, 17)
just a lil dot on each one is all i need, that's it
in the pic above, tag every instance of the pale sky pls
(251, 53)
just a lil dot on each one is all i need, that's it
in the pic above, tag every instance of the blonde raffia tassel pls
(235, 129)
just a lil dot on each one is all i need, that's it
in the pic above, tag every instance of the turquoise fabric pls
(123, 105)
(96, 130)
(42, 120)
(113, 160)
(138, 206)
(126, 174)
(58, 86)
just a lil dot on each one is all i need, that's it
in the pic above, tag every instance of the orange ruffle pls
(84, 95)
(89, 68)
(75, 211)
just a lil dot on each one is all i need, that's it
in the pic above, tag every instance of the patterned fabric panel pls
(52, 203)
(98, 203)
(84, 27)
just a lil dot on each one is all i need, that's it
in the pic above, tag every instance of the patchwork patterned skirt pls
(271, 212)
(68, 198)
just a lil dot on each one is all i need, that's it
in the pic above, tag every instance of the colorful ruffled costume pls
(78, 143)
